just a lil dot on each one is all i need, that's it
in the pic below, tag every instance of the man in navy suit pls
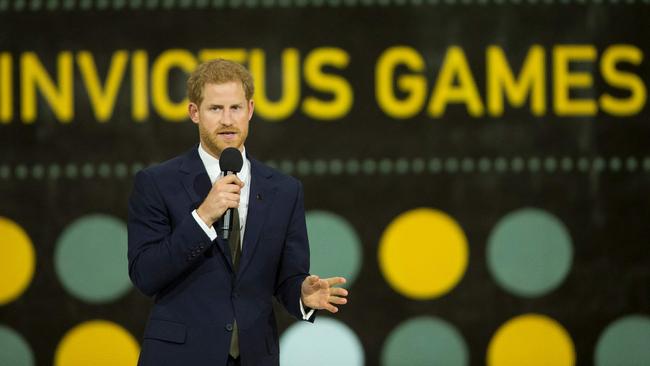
(212, 296)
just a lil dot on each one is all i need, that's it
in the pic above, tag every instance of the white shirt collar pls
(214, 170)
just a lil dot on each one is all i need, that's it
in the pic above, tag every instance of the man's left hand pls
(318, 293)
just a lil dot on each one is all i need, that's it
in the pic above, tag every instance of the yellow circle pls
(423, 253)
(16, 260)
(531, 340)
(97, 343)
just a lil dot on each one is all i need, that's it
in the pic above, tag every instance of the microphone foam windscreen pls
(231, 160)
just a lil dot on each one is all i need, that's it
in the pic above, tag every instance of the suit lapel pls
(197, 184)
(260, 200)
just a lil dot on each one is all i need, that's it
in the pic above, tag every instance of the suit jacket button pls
(229, 327)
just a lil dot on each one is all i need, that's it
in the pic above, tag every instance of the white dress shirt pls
(214, 172)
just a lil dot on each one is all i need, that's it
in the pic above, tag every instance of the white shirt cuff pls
(307, 315)
(209, 231)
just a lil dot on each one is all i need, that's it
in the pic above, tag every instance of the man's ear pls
(193, 110)
(251, 107)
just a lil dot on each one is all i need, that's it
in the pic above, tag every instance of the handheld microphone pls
(230, 162)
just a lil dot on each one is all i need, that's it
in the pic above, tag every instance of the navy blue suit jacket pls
(196, 293)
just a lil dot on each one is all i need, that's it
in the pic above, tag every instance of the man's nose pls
(227, 118)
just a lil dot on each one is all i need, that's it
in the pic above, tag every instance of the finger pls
(313, 279)
(337, 300)
(331, 308)
(333, 281)
(337, 291)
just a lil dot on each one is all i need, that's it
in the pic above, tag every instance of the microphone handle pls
(227, 218)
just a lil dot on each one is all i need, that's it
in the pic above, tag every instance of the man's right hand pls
(223, 195)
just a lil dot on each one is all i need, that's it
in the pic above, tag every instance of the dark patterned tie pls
(235, 252)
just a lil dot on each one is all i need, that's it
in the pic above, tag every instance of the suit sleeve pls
(294, 264)
(158, 254)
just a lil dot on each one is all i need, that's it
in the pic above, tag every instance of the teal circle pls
(467, 165)
(500, 164)
(71, 171)
(631, 164)
(90, 258)
(5, 172)
(615, 164)
(21, 171)
(435, 165)
(385, 166)
(425, 341)
(303, 166)
(320, 167)
(599, 164)
(484, 164)
(534, 164)
(369, 166)
(625, 342)
(352, 166)
(327, 342)
(529, 252)
(88, 170)
(567, 164)
(14, 350)
(517, 164)
(54, 171)
(335, 247)
(286, 166)
(583, 164)
(401, 166)
(451, 165)
(121, 170)
(38, 171)
(104, 170)
(418, 165)
(336, 166)
(550, 164)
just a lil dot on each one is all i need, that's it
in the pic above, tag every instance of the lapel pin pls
(259, 197)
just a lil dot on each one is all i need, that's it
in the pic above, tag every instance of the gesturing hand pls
(318, 293)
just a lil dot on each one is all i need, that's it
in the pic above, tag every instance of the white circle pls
(324, 343)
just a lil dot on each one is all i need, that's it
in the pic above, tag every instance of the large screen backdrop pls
(478, 170)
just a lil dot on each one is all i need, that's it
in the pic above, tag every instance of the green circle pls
(385, 166)
(272, 164)
(435, 165)
(152, 4)
(631, 164)
(625, 342)
(303, 167)
(517, 164)
(320, 167)
(567, 164)
(21, 171)
(615, 164)
(5, 172)
(35, 4)
(550, 164)
(484, 164)
(467, 165)
(534, 164)
(90, 258)
(104, 170)
(135, 4)
(286, 166)
(14, 350)
(583, 164)
(599, 164)
(68, 4)
(529, 252)
(352, 166)
(418, 165)
(121, 170)
(4, 4)
(336, 166)
(335, 247)
(425, 341)
(451, 165)
(401, 166)
(369, 166)
(38, 171)
(52, 4)
(54, 171)
(500, 164)
(88, 170)
(71, 171)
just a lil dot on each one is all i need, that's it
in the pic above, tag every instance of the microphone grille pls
(231, 160)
